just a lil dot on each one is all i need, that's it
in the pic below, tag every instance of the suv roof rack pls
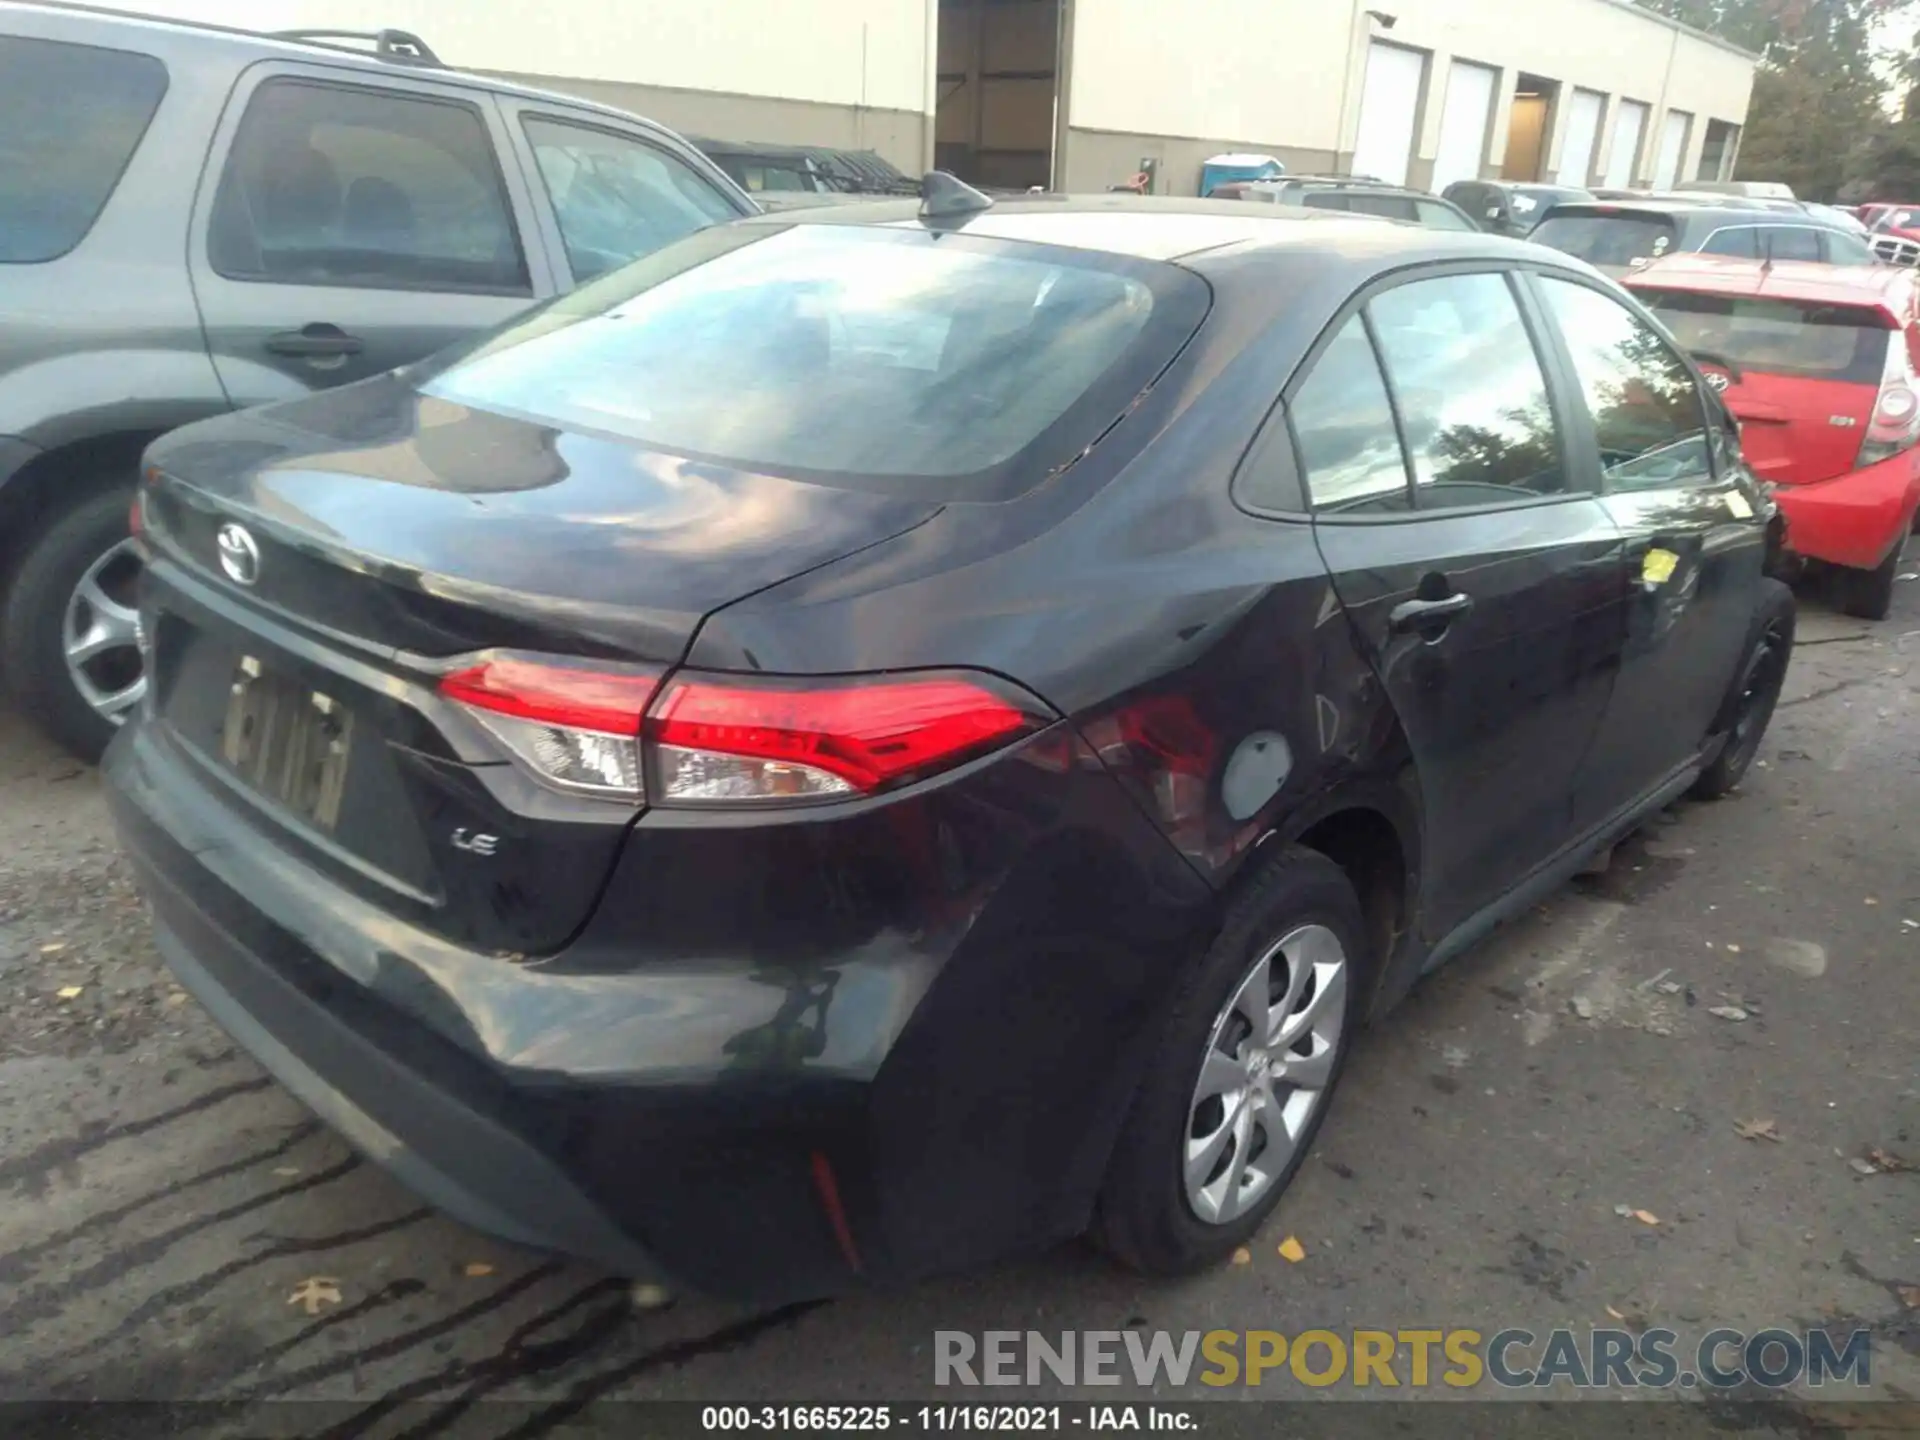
(402, 47)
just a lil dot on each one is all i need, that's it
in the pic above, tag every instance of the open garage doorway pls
(999, 85)
(1531, 121)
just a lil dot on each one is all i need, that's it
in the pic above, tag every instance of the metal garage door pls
(1389, 105)
(1673, 149)
(1629, 125)
(1463, 124)
(1580, 137)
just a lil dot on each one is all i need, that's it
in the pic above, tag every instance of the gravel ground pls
(163, 1199)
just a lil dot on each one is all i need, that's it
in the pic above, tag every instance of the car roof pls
(1678, 208)
(1156, 227)
(262, 45)
(1884, 287)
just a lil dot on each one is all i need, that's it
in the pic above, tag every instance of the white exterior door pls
(1673, 149)
(1389, 106)
(1580, 135)
(1629, 125)
(1463, 124)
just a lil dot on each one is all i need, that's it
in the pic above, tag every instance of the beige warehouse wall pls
(867, 53)
(1285, 75)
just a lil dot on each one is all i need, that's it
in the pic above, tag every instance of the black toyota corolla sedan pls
(865, 743)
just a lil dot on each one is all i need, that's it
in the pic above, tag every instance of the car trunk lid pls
(1809, 374)
(389, 533)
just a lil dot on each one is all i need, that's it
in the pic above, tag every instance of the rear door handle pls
(1429, 616)
(315, 342)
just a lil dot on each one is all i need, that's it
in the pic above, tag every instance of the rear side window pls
(1616, 240)
(1845, 249)
(1742, 242)
(1471, 394)
(339, 185)
(1791, 242)
(903, 361)
(1441, 217)
(616, 199)
(1326, 200)
(71, 117)
(1779, 337)
(1343, 424)
(1387, 207)
(1648, 417)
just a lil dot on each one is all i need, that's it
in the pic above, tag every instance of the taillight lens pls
(576, 725)
(1895, 423)
(733, 740)
(728, 740)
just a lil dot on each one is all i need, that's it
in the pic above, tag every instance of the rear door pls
(1674, 487)
(1479, 576)
(1612, 239)
(350, 222)
(1808, 375)
(606, 193)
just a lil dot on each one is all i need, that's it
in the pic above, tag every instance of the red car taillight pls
(737, 740)
(1894, 425)
(728, 740)
(574, 724)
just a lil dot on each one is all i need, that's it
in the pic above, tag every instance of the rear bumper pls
(701, 1087)
(1856, 519)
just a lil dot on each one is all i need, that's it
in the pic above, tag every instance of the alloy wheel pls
(1268, 1068)
(100, 635)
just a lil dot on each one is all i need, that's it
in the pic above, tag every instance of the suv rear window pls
(1779, 337)
(938, 364)
(71, 117)
(1607, 239)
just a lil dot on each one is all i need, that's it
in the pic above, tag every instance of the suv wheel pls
(1235, 1094)
(69, 640)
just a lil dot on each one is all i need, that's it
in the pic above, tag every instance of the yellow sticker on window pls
(1658, 567)
(1741, 507)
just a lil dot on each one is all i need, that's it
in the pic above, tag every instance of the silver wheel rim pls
(100, 635)
(1268, 1066)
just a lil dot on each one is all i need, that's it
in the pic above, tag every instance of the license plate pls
(287, 741)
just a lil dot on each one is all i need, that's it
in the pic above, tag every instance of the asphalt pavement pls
(174, 1226)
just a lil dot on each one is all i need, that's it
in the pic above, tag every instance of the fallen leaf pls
(54, 949)
(179, 997)
(1734, 948)
(478, 1269)
(1615, 1313)
(1646, 1217)
(1292, 1251)
(316, 1292)
(1909, 1295)
(69, 992)
(1886, 1160)
(1728, 1012)
(1863, 1167)
(285, 1170)
(1756, 1130)
(1243, 1256)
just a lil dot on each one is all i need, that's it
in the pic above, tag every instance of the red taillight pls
(728, 740)
(1894, 425)
(575, 725)
(723, 739)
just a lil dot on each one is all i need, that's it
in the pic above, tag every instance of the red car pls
(1818, 364)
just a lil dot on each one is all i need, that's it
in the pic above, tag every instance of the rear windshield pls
(1607, 239)
(1779, 337)
(70, 117)
(937, 363)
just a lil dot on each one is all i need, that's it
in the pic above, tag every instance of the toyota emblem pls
(239, 556)
(1717, 380)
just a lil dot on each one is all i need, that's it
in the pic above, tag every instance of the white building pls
(1078, 93)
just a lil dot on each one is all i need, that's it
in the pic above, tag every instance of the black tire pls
(1763, 671)
(1144, 1218)
(32, 650)
(1868, 594)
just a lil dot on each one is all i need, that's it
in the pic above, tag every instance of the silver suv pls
(199, 219)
